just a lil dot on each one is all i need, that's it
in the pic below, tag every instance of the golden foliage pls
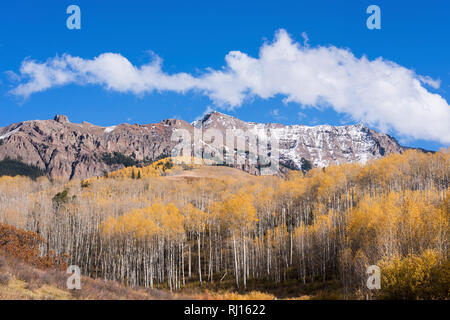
(328, 224)
(155, 220)
(423, 276)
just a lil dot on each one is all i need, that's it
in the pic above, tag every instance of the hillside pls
(210, 172)
(20, 281)
(27, 275)
(289, 236)
(180, 167)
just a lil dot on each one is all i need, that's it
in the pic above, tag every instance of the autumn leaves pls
(327, 225)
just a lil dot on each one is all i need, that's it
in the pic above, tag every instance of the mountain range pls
(80, 150)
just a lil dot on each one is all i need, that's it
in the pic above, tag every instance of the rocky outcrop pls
(71, 150)
(61, 118)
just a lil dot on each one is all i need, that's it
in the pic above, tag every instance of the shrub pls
(85, 184)
(61, 198)
(2, 262)
(24, 245)
(421, 276)
(34, 284)
(5, 278)
(228, 295)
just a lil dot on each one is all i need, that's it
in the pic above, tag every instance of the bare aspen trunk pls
(199, 259)
(235, 261)
(245, 267)
(190, 265)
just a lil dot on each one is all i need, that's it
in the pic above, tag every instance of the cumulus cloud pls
(377, 92)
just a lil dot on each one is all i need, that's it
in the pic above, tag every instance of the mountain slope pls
(71, 150)
(322, 144)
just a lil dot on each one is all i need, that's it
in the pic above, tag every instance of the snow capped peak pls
(321, 144)
(217, 119)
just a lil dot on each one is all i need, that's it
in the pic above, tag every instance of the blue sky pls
(195, 36)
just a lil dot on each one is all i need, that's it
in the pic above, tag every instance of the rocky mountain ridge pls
(70, 150)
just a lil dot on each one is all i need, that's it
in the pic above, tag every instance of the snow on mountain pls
(72, 150)
(322, 145)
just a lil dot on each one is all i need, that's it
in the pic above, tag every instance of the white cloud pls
(301, 115)
(208, 109)
(431, 82)
(275, 112)
(305, 39)
(379, 93)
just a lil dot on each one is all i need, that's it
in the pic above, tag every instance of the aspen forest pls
(142, 226)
